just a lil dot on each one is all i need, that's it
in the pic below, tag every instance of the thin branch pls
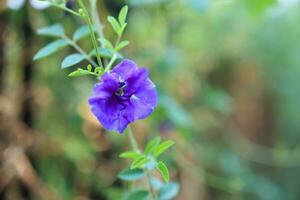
(80, 50)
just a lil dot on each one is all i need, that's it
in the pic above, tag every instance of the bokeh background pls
(228, 74)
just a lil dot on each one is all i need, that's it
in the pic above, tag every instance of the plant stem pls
(93, 37)
(96, 19)
(134, 147)
(114, 57)
(132, 140)
(153, 195)
(65, 9)
(75, 46)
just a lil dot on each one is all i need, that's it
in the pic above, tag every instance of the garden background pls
(228, 76)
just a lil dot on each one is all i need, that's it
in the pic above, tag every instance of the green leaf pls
(130, 154)
(115, 24)
(168, 191)
(81, 32)
(71, 60)
(139, 162)
(89, 67)
(79, 72)
(105, 53)
(50, 49)
(106, 43)
(162, 148)
(123, 15)
(162, 168)
(151, 145)
(138, 195)
(122, 44)
(131, 174)
(56, 30)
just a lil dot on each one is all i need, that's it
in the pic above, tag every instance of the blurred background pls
(228, 74)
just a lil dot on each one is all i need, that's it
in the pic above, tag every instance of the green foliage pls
(130, 154)
(131, 174)
(138, 195)
(56, 30)
(123, 15)
(81, 32)
(106, 43)
(50, 49)
(139, 162)
(151, 145)
(121, 45)
(71, 60)
(105, 53)
(168, 191)
(98, 71)
(162, 168)
(162, 148)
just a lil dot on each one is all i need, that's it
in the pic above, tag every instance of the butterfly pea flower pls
(124, 95)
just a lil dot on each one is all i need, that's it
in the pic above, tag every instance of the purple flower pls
(124, 95)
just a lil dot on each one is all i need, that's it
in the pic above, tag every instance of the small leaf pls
(56, 30)
(168, 191)
(81, 32)
(89, 67)
(131, 174)
(79, 72)
(106, 43)
(130, 154)
(151, 145)
(71, 60)
(162, 168)
(122, 44)
(99, 70)
(138, 195)
(162, 148)
(115, 24)
(123, 15)
(50, 49)
(105, 53)
(139, 162)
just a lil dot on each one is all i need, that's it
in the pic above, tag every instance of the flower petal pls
(134, 81)
(125, 69)
(142, 103)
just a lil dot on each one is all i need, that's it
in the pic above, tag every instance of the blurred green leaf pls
(71, 60)
(130, 154)
(106, 43)
(79, 72)
(168, 191)
(138, 195)
(50, 49)
(56, 30)
(162, 148)
(131, 174)
(122, 44)
(81, 32)
(105, 53)
(151, 145)
(163, 169)
(115, 24)
(139, 162)
(123, 15)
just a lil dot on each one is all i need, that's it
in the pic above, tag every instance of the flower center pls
(120, 92)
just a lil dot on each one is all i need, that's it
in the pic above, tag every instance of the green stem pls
(114, 57)
(65, 9)
(134, 147)
(153, 195)
(93, 37)
(96, 19)
(132, 140)
(75, 46)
